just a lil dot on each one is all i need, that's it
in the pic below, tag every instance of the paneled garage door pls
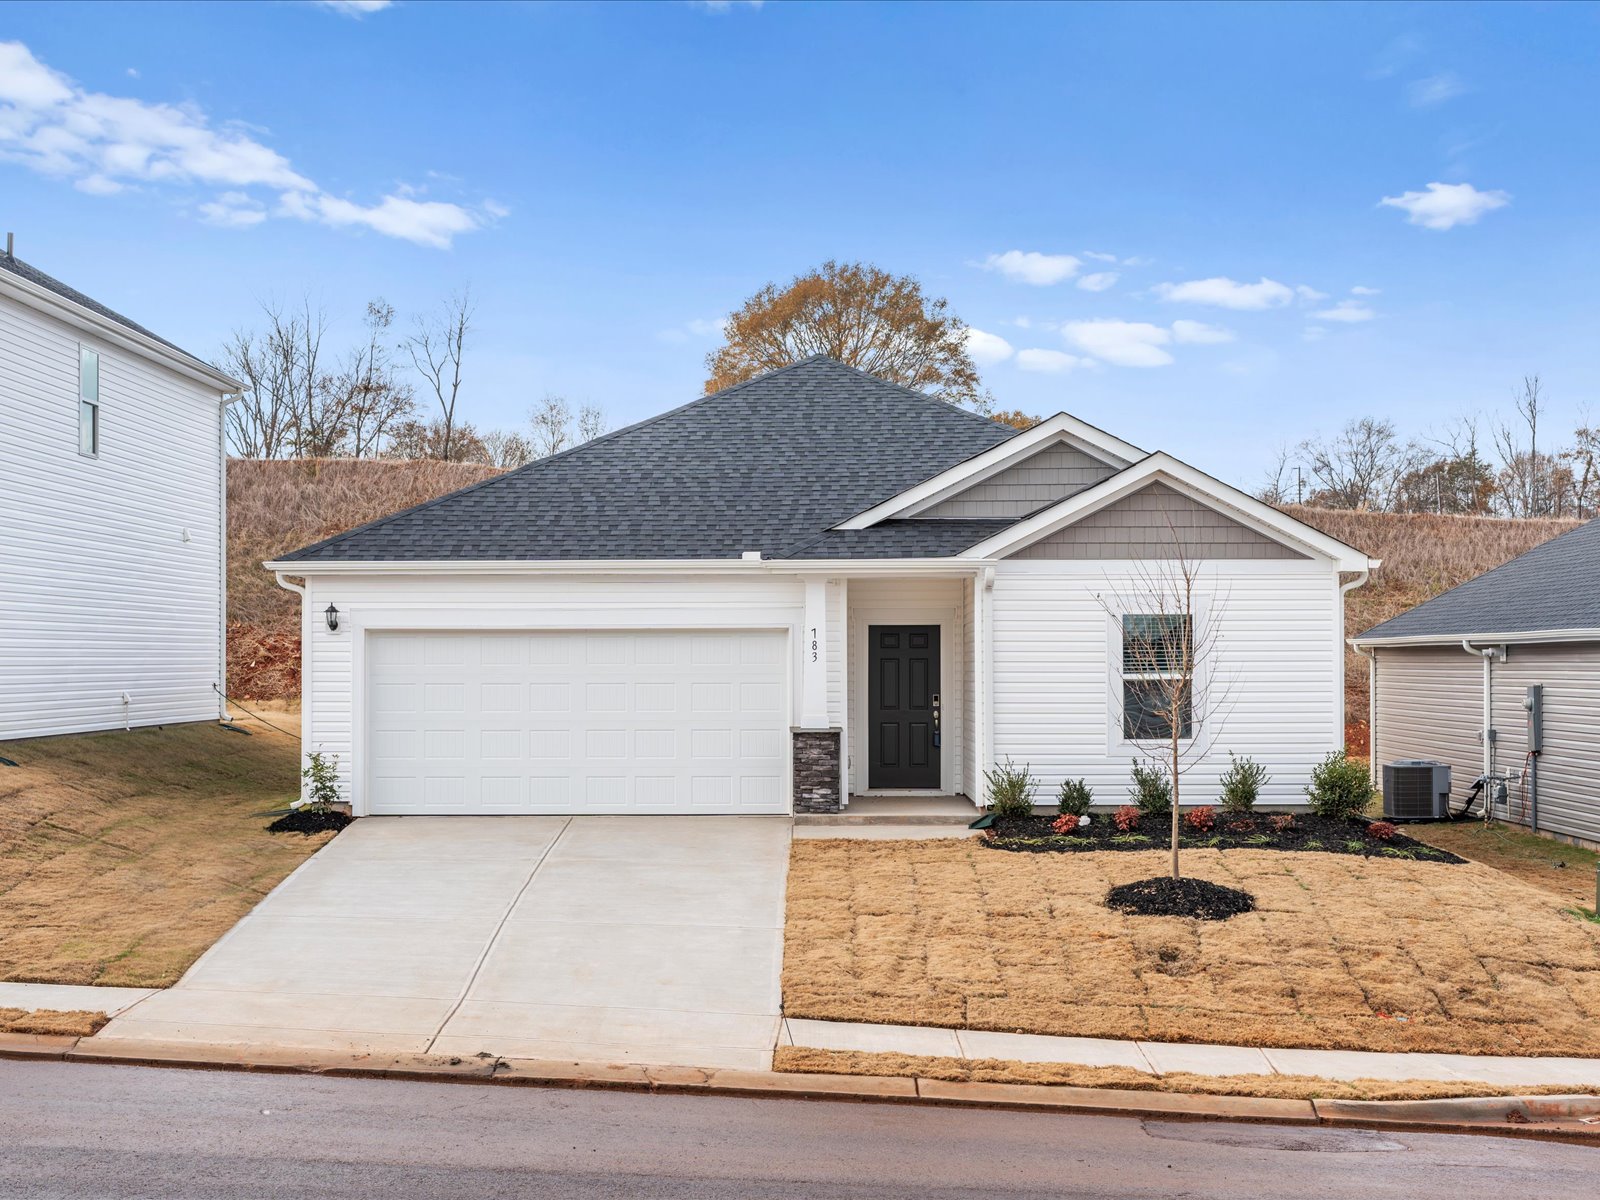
(586, 722)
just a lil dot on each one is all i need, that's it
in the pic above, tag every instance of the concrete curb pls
(1525, 1116)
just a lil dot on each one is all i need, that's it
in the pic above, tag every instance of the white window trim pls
(1201, 729)
(92, 405)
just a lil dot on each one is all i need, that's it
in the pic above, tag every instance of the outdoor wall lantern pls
(332, 616)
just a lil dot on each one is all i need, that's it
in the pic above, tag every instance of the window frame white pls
(88, 406)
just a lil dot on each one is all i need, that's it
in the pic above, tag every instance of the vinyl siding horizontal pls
(100, 593)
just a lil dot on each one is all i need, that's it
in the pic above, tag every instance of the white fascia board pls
(1525, 637)
(1202, 487)
(1061, 427)
(626, 566)
(42, 299)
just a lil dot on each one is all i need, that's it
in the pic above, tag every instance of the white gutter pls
(1526, 638)
(616, 566)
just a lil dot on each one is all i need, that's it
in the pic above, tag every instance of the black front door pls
(903, 706)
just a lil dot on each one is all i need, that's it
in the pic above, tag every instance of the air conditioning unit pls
(1416, 789)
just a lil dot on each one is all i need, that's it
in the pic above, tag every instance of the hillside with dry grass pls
(277, 506)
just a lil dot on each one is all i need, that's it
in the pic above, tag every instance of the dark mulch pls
(304, 820)
(1164, 896)
(1307, 833)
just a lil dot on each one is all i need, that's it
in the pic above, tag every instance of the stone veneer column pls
(816, 770)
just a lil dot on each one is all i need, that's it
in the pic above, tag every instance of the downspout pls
(305, 648)
(222, 557)
(1345, 589)
(1371, 655)
(1488, 655)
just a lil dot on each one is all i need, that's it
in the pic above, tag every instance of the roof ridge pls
(909, 390)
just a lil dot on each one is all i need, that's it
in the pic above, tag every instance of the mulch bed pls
(1165, 896)
(304, 820)
(1308, 833)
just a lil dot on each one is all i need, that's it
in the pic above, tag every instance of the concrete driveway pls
(613, 939)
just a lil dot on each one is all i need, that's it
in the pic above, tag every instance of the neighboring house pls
(811, 585)
(1464, 662)
(111, 517)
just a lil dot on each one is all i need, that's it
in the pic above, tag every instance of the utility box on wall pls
(1534, 703)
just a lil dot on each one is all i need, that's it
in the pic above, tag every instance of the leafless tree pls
(591, 423)
(437, 346)
(366, 388)
(1526, 472)
(1277, 488)
(412, 439)
(261, 421)
(1170, 687)
(551, 422)
(1582, 461)
(502, 448)
(1361, 466)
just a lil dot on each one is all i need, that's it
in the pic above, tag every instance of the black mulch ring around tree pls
(305, 820)
(1164, 896)
(1034, 835)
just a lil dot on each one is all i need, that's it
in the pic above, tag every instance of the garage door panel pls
(578, 722)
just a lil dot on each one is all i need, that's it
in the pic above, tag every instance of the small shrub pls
(1126, 817)
(1281, 822)
(1068, 823)
(1340, 787)
(1382, 830)
(1074, 797)
(1242, 825)
(1202, 819)
(322, 782)
(1011, 790)
(1151, 790)
(1242, 783)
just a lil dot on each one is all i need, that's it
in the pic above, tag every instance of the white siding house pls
(111, 518)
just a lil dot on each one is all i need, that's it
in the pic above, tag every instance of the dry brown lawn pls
(1344, 952)
(1567, 871)
(124, 855)
(805, 1060)
(76, 1023)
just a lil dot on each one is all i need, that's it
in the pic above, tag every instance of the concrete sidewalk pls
(65, 997)
(1163, 1058)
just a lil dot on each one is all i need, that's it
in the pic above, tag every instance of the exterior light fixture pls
(331, 614)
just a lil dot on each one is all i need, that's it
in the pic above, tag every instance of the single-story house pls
(812, 585)
(112, 527)
(1501, 677)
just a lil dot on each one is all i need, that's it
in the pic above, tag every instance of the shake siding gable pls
(1143, 525)
(1052, 474)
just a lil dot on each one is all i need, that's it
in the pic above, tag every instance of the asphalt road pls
(89, 1131)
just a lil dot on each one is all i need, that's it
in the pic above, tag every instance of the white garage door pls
(585, 722)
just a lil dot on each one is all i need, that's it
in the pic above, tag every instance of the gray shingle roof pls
(1553, 586)
(903, 539)
(50, 283)
(766, 465)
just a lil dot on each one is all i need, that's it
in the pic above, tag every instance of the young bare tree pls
(503, 448)
(591, 423)
(861, 315)
(366, 387)
(1361, 466)
(437, 346)
(1526, 472)
(551, 422)
(260, 422)
(1170, 686)
(1278, 488)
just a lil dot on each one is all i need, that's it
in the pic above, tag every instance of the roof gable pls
(1052, 473)
(768, 465)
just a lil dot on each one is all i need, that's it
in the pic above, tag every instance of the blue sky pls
(1212, 230)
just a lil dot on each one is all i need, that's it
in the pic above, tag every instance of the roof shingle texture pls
(766, 465)
(50, 283)
(1553, 586)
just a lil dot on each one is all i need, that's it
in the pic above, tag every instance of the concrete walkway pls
(602, 939)
(1162, 1058)
(65, 997)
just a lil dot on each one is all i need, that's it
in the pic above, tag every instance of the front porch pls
(893, 723)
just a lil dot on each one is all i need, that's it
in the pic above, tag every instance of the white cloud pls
(1446, 205)
(1309, 294)
(1124, 343)
(354, 8)
(697, 329)
(1358, 290)
(1223, 292)
(722, 6)
(987, 348)
(1050, 361)
(105, 144)
(1100, 257)
(1099, 281)
(1197, 333)
(1350, 312)
(1435, 89)
(1029, 266)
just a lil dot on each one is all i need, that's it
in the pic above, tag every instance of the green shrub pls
(1151, 790)
(1241, 785)
(322, 782)
(1011, 790)
(1075, 797)
(1340, 787)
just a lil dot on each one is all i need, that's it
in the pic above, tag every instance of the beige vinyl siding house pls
(1435, 690)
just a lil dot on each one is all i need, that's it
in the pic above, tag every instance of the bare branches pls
(437, 346)
(551, 421)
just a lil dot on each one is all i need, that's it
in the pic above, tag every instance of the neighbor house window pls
(1157, 676)
(88, 401)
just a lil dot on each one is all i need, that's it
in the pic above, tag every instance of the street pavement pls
(74, 1130)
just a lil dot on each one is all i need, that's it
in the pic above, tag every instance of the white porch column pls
(814, 656)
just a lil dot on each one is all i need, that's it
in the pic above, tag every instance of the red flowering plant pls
(1068, 823)
(1202, 819)
(1382, 830)
(1126, 817)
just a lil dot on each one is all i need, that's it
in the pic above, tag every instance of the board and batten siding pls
(110, 566)
(559, 600)
(1052, 474)
(1430, 706)
(1056, 676)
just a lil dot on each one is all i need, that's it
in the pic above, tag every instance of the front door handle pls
(936, 720)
